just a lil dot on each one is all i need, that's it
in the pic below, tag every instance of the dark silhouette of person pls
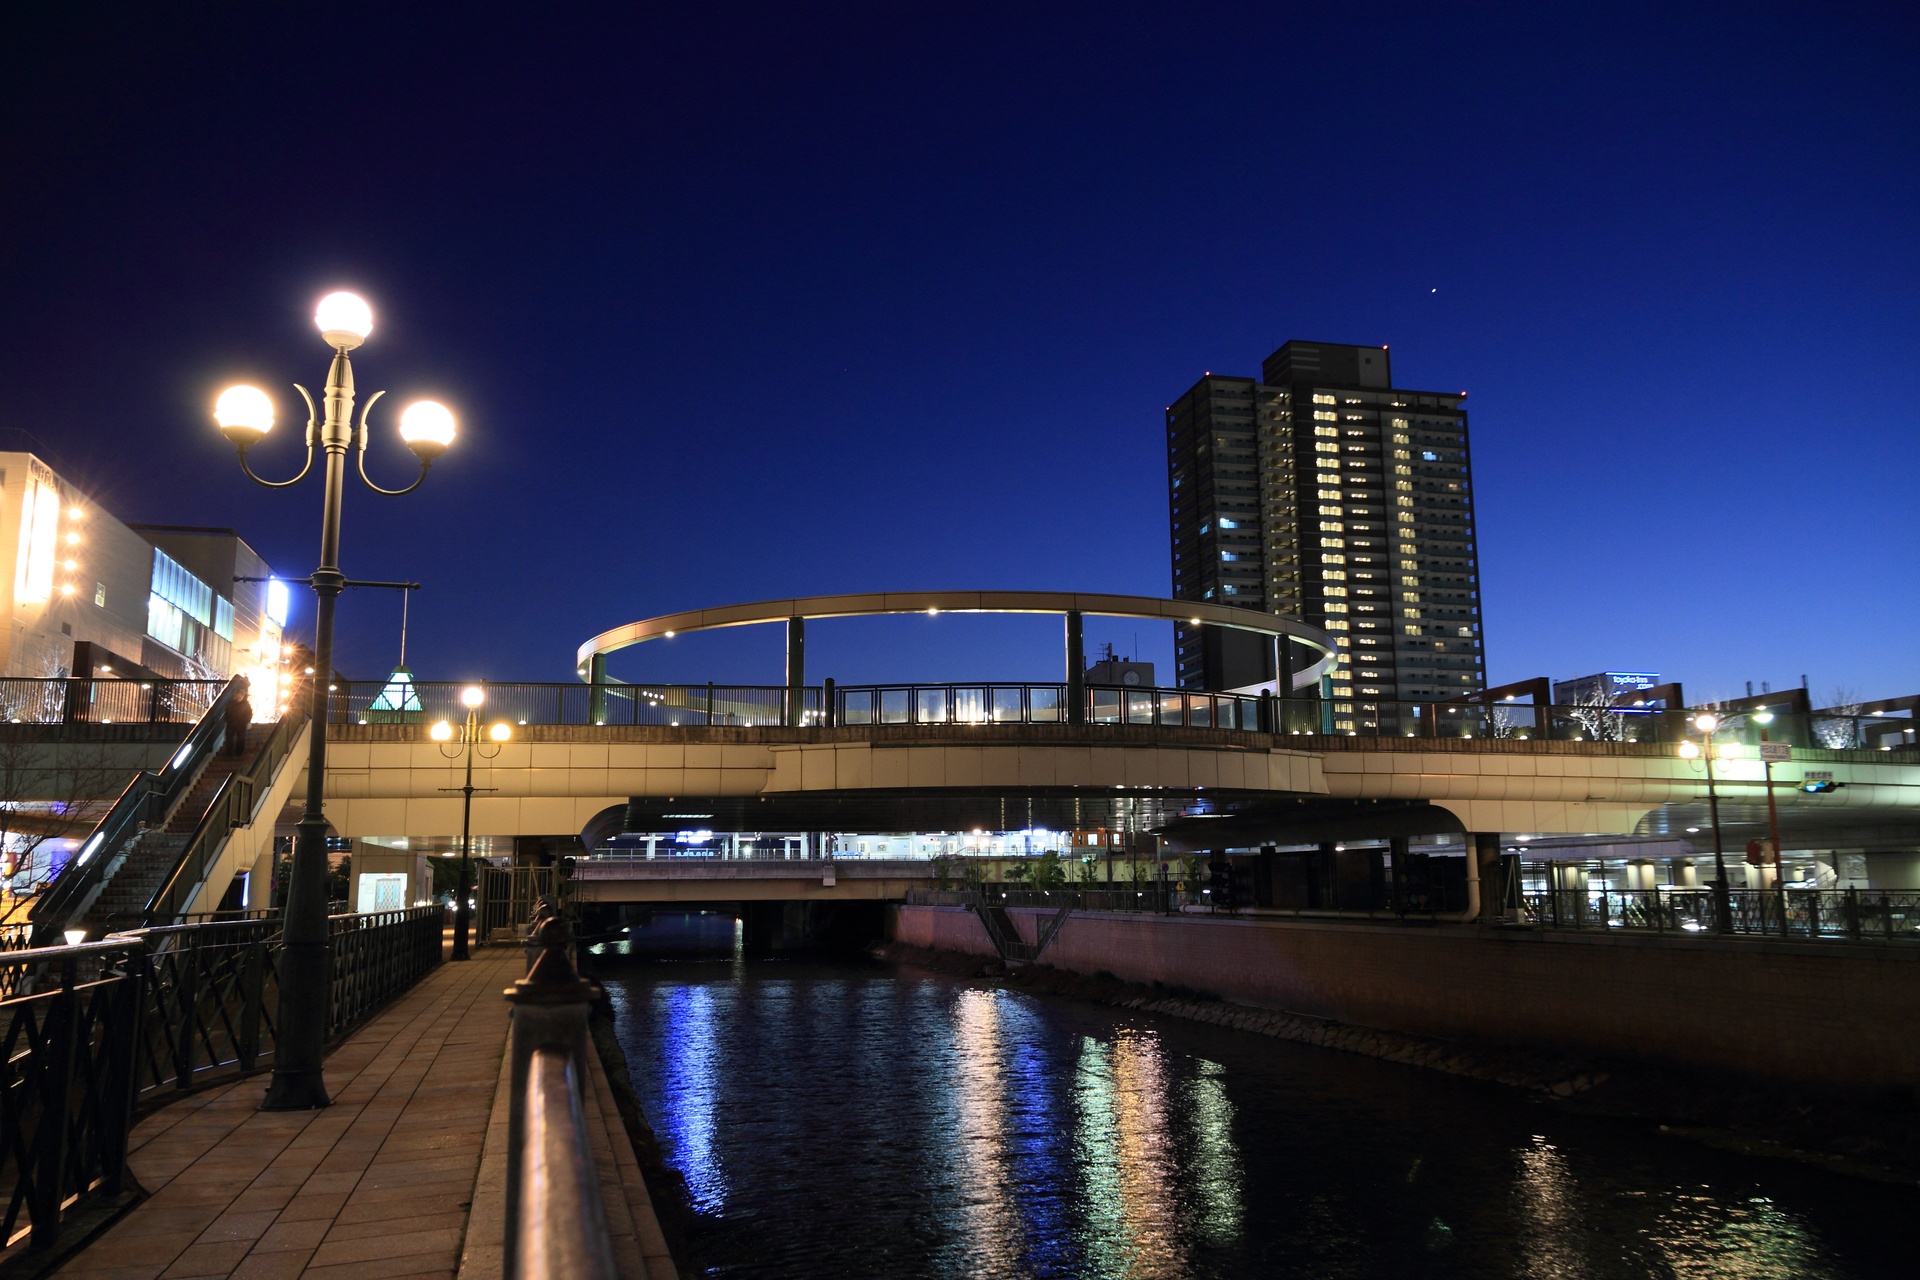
(239, 718)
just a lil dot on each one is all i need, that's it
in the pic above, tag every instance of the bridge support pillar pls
(1076, 669)
(1400, 849)
(597, 691)
(796, 671)
(1484, 849)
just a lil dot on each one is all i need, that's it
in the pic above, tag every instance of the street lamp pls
(1706, 722)
(245, 416)
(472, 698)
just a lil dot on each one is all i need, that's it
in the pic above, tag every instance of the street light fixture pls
(245, 416)
(1706, 722)
(473, 697)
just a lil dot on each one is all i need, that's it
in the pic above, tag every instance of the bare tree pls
(1593, 712)
(1839, 730)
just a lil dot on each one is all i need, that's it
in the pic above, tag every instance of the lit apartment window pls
(1325, 415)
(1326, 431)
(1324, 399)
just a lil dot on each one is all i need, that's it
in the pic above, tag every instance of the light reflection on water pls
(847, 1122)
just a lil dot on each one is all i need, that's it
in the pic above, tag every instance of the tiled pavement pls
(377, 1185)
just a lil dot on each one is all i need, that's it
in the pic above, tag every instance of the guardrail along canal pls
(854, 1120)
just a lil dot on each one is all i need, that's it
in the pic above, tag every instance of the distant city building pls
(1323, 492)
(88, 596)
(1603, 689)
(1111, 670)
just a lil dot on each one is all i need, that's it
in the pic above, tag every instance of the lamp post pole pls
(1706, 722)
(1722, 892)
(471, 697)
(245, 415)
(462, 912)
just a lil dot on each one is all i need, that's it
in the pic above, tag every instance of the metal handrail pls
(234, 805)
(562, 1226)
(556, 1222)
(148, 798)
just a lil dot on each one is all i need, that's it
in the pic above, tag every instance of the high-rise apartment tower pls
(1324, 492)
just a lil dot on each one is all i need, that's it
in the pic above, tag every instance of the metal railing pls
(1856, 915)
(234, 805)
(95, 1032)
(987, 703)
(147, 800)
(1152, 897)
(556, 1221)
(67, 701)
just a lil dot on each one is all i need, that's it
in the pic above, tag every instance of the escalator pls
(155, 857)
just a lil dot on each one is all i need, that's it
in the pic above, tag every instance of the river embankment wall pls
(1838, 1013)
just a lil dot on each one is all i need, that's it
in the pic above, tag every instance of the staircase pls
(1006, 938)
(151, 856)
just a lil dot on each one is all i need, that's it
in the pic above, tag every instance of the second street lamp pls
(1706, 722)
(245, 416)
(472, 698)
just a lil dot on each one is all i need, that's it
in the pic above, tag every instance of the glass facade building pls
(1321, 491)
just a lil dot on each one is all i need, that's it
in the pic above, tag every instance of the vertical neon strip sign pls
(39, 536)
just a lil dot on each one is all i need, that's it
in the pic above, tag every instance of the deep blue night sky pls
(739, 302)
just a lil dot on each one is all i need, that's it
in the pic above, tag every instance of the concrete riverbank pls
(1826, 1013)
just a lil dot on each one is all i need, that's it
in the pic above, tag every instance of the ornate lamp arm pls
(284, 484)
(361, 458)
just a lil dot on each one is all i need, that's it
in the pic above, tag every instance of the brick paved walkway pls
(378, 1185)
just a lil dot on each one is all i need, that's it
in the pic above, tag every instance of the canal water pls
(853, 1120)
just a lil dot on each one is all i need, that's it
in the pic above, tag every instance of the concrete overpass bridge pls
(1195, 786)
(1166, 769)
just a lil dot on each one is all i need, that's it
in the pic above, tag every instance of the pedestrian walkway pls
(380, 1184)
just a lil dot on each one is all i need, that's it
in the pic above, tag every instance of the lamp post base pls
(296, 1091)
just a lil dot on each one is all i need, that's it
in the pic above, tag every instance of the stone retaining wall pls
(1828, 1012)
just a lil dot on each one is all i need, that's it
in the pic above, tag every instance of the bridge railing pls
(115, 701)
(988, 703)
(1153, 897)
(95, 1032)
(1856, 915)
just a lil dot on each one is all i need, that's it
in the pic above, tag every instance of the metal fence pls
(1857, 915)
(93, 1032)
(1153, 897)
(989, 703)
(63, 701)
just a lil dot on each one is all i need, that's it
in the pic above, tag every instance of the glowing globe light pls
(244, 414)
(1689, 751)
(344, 320)
(472, 696)
(441, 732)
(1706, 722)
(500, 732)
(427, 428)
